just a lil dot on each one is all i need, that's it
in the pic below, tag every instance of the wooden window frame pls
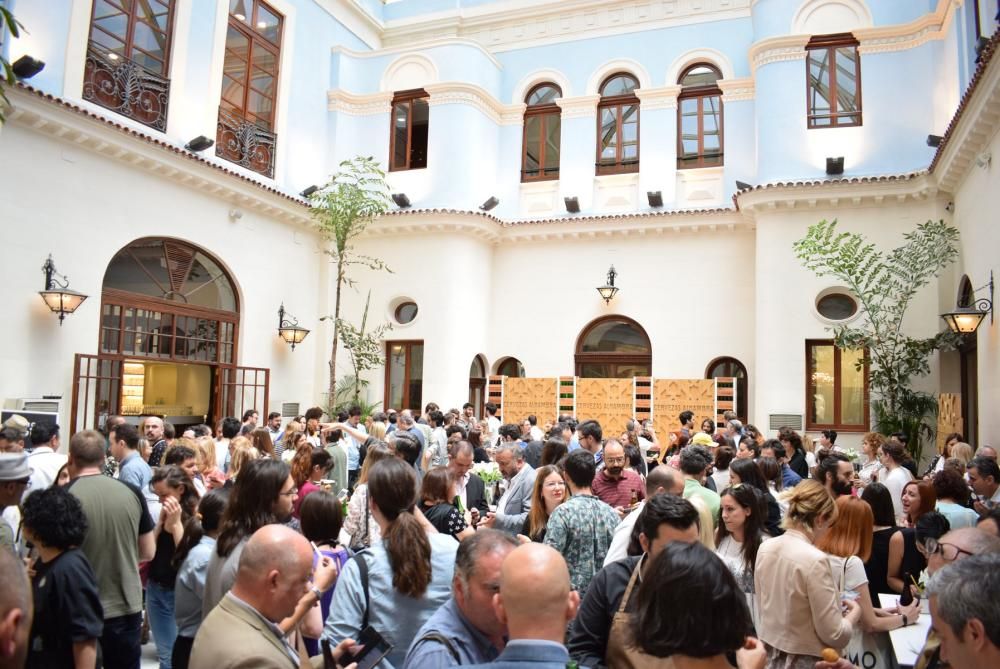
(582, 358)
(133, 18)
(742, 384)
(700, 93)
(407, 345)
(830, 44)
(506, 360)
(545, 112)
(255, 38)
(619, 102)
(837, 424)
(400, 97)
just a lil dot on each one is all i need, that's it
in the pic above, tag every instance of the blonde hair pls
(243, 453)
(378, 430)
(962, 452)
(180, 441)
(808, 502)
(706, 523)
(205, 447)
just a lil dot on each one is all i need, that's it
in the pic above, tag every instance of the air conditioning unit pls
(776, 421)
(289, 409)
(33, 405)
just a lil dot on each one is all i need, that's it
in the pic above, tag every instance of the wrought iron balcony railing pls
(245, 143)
(125, 87)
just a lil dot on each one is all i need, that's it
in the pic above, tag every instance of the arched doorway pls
(731, 368)
(613, 347)
(168, 341)
(510, 366)
(477, 384)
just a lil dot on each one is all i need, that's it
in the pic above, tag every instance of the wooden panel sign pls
(949, 417)
(671, 397)
(608, 401)
(525, 397)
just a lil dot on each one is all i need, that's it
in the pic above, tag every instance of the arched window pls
(477, 384)
(510, 367)
(618, 125)
(699, 117)
(613, 347)
(540, 153)
(731, 368)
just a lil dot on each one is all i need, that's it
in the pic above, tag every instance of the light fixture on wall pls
(655, 198)
(934, 141)
(307, 193)
(966, 318)
(289, 328)
(401, 200)
(742, 186)
(57, 295)
(26, 67)
(835, 166)
(609, 290)
(199, 143)
(572, 205)
(489, 204)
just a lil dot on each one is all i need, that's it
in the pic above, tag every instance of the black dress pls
(877, 566)
(913, 561)
(444, 517)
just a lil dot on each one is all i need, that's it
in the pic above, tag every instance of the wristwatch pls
(905, 621)
(319, 595)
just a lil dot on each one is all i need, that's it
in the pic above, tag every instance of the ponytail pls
(409, 551)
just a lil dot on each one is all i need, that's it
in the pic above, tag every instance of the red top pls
(306, 488)
(618, 492)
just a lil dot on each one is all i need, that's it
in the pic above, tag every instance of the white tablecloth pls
(907, 642)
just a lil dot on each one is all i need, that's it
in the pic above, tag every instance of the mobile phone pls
(374, 648)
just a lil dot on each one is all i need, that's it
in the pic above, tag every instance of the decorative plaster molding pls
(339, 100)
(658, 98)
(449, 93)
(355, 18)
(633, 67)
(836, 16)
(910, 35)
(702, 55)
(777, 49)
(531, 80)
(734, 90)
(518, 24)
(582, 106)
(424, 46)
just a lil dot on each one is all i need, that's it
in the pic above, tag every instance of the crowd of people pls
(439, 539)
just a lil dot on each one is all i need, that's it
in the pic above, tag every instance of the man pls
(492, 424)
(591, 437)
(534, 432)
(11, 441)
(354, 444)
(734, 430)
(511, 434)
(152, 427)
(984, 479)
(15, 477)
(230, 430)
(964, 612)
(20, 425)
(593, 642)
(614, 485)
(987, 452)
(515, 503)
(15, 611)
(392, 418)
(836, 473)
(694, 463)
(687, 423)
(45, 460)
(465, 629)
(250, 417)
(274, 426)
(119, 537)
(186, 459)
(132, 469)
(469, 487)
(242, 631)
(407, 423)
(828, 440)
(773, 448)
(536, 603)
(581, 527)
(525, 430)
(468, 417)
(660, 480)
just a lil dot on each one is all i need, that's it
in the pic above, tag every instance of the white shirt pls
(895, 481)
(460, 487)
(536, 433)
(721, 478)
(221, 453)
(45, 465)
(618, 550)
(493, 425)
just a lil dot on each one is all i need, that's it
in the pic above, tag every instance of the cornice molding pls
(145, 153)
(777, 49)
(424, 46)
(734, 90)
(450, 93)
(519, 24)
(355, 18)
(339, 100)
(664, 97)
(581, 106)
(932, 26)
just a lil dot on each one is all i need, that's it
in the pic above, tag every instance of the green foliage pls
(345, 397)
(363, 347)
(885, 284)
(7, 24)
(354, 197)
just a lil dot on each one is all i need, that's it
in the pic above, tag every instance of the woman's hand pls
(841, 663)
(170, 514)
(325, 574)
(752, 655)
(912, 611)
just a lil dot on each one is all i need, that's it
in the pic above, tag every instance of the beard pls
(614, 472)
(842, 487)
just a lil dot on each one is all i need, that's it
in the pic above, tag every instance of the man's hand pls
(752, 655)
(474, 516)
(325, 574)
(621, 511)
(491, 518)
(841, 663)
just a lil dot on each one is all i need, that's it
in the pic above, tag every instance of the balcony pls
(125, 87)
(245, 143)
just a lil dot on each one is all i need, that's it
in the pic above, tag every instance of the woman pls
(896, 476)
(260, 438)
(746, 471)
(800, 608)
(879, 500)
(771, 471)
(953, 499)
(191, 561)
(310, 466)
(748, 449)
(210, 472)
(479, 453)
(179, 501)
(796, 453)
(554, 450)
(68, 618)
(360, 530)
(715, 620)
(937, 464)
(548, 493)
(963, 453)
(436, 492)
(848, 544)
(871, 469)
(739, 536)
(723, 456)
(918, 498)
(436, 453)
(291, 445)
(243, 454)
(755, 434)
(322, 515)
(409, 573)
(293, 426)
(708, 426)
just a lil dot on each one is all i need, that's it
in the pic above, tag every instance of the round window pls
(837, 306)
(406, 312)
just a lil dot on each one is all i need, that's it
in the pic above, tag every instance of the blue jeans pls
(160, 607)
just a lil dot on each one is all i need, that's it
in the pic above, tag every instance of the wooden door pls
(97, 384)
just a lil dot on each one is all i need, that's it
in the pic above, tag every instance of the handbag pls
(868, 650)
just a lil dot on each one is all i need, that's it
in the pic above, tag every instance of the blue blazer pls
(527, 653)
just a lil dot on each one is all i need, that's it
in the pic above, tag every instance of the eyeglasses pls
(615, 461)
(556, 484)
(291, 493)
(949, 552)
(25, 482)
